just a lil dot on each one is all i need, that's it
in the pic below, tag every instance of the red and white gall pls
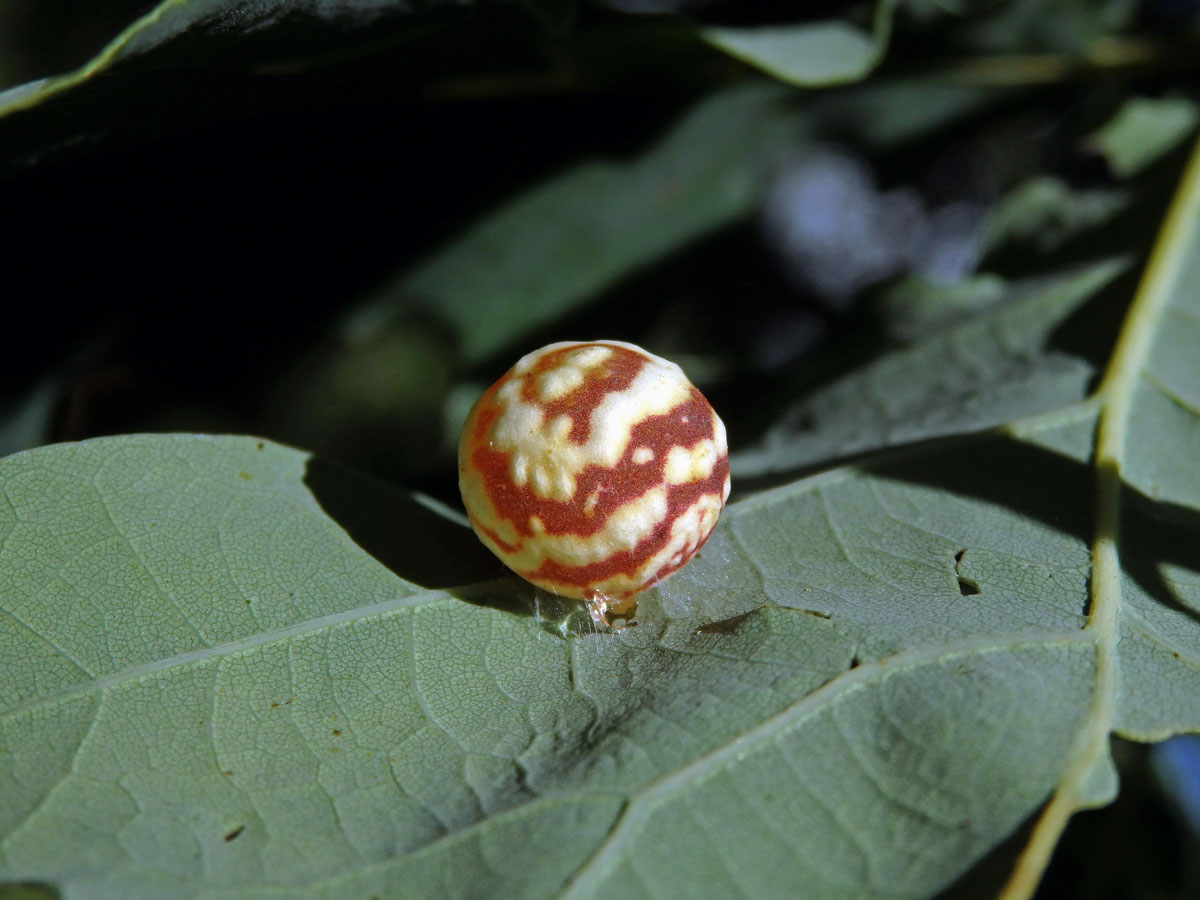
(594, 470)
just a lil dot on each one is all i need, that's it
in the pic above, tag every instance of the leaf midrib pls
(423, 597)
(644, 802)
(1116, 392)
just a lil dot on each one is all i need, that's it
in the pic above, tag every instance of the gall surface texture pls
(594, 470)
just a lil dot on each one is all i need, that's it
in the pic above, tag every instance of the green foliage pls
(1143, 130)
(812, 53)
(553, 249)
(960, 556)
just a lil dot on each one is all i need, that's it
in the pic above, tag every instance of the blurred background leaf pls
(1142, 131)
(809, 54)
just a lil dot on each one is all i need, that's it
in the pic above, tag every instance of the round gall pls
(594, 470)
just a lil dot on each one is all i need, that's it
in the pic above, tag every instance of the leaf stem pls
(1116, 394)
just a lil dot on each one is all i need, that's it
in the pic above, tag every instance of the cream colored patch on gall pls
(479, 506)
(539, 452)
(589, 505)
(694, 463)
(720, 441)
(623, 530)
(643, 455)
(688, 529)
(558, 383)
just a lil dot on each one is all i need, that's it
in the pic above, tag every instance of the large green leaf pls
(231, 669)
(206, 680)
(1142, 131)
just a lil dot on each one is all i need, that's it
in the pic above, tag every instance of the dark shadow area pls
(42, 38)
(416, 52)
(1153, 534)
(1132, 848)
(424, 546)
(411, 539)
(760, 13)
(1091, 331)
(1154, 188)
(983, 880)
(1031, 481)
(205, 288)
(1028, 479)
(1129, 849)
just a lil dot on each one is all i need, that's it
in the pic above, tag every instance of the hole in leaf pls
(968, 587)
